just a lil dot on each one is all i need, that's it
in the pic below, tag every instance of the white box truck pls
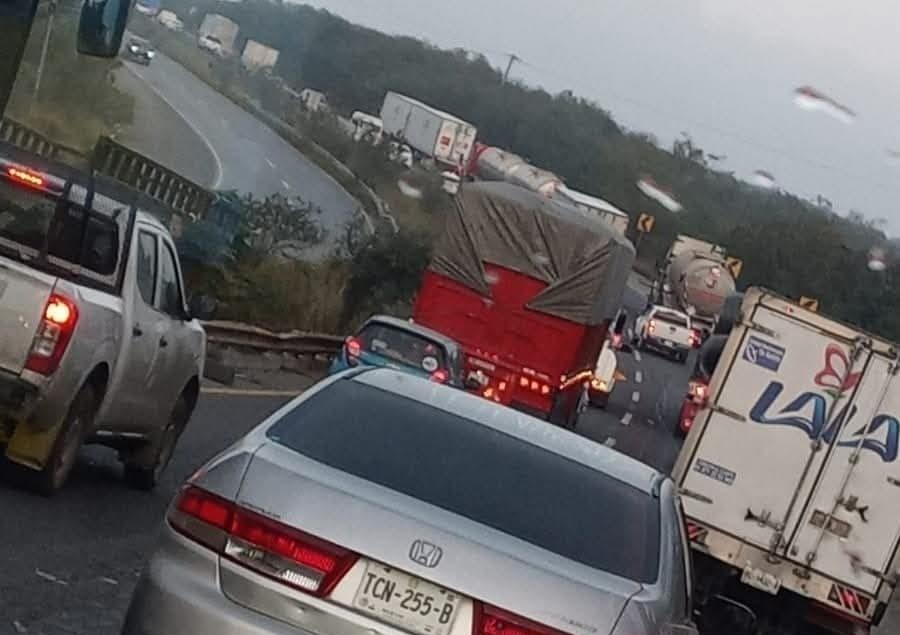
(789, 475)
(428, 131)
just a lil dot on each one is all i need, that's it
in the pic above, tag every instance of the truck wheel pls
(62, 457)
(144, 470)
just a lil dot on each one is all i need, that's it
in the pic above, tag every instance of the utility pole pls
(513, 58)
(51, 13)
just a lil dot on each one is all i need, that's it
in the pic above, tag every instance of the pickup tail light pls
(490, 620)
(54, 332)
(651, 326)
(263, 545)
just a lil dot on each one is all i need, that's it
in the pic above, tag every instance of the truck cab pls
(98, 342)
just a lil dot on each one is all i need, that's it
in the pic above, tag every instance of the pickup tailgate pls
(23, 295)
(798, 449)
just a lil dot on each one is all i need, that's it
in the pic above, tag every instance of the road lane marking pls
(652, 422)
(269, 161)
(248, 392)
(637, 355)
(636, 396)
(217, 181)
(286, 185)
(638, 376)
(626, 419)
(610, 442)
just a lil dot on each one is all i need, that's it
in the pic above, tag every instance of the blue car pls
(394, 343)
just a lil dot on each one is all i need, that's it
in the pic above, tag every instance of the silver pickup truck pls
(97, 344)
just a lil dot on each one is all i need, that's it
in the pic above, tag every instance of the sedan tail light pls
(53, 335)
(440, 376)
(490, 620)
(274, 550)
(354, 350)
(698, 391)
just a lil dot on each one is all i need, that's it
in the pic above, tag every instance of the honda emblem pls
(425, 553)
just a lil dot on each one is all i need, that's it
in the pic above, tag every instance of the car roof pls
(412, 327)
(514, 423)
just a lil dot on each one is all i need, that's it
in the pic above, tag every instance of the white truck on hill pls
(428, 131)
(790, 473)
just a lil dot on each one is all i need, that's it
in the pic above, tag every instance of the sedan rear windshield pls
(70, 237)
(480, 473)
(402, 346)
(671, 318)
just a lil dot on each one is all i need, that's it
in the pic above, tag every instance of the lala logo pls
(809, 411)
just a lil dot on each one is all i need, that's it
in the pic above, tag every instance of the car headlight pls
(151, 54)
(133, 48)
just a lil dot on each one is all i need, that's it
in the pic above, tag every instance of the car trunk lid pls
(435, 549)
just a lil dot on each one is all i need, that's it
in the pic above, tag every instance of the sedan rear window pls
(480, 473)
(405, 347)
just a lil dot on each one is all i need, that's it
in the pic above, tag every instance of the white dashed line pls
(638, 376)
(271, 165)
(626, 419)
(637, 355)
(610, 442)
(286, 185)
(635, 396)
(652, 422)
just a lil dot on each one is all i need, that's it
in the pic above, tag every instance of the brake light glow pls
(261, 544)
(490, 620)
(53, 335)
(354, 348)
(695, 338)
(440, 376)
(25, 176)
(698, 391)
(651, 326)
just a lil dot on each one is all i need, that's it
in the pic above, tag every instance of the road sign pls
(734, 266)
(810, 304)
(645, 223)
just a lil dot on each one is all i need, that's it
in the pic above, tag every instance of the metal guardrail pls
(157, 181)
(17, 134)
(258, 339)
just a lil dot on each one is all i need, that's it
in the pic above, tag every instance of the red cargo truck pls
(528, 287)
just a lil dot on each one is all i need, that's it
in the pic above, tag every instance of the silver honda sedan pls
(379, 503)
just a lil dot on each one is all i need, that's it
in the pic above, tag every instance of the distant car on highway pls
(698, 385)
(98, 344)
(212, 44)
(666, 330)
(140, 51)
(388, 341)
(378, 500)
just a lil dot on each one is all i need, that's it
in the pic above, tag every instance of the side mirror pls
(101, 27)
(723, 615)
(201, 307)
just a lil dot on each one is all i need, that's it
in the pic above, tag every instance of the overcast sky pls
(721, 70)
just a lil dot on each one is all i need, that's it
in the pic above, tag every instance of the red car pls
(698, 386)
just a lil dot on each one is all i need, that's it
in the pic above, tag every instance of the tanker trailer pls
(697, 281)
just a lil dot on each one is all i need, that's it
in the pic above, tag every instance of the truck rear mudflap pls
(758, 570)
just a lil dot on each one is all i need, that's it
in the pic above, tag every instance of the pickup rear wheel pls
(144, 470)
(65, 448)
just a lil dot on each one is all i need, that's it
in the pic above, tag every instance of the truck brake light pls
(53, 335)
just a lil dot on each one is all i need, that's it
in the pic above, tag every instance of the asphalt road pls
(246, 155)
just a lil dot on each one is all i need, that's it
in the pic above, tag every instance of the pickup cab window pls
(58, 233)
(170, 299)
(146, 267)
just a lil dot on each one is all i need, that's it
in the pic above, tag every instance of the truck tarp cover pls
(584, 262)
